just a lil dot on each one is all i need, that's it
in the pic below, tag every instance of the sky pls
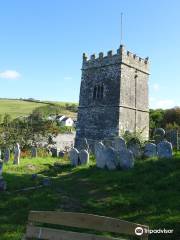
(42, 41)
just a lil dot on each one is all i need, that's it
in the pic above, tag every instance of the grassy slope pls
(17, 108)
(22, 108)
(147, 194)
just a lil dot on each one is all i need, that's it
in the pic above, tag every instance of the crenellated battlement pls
(121, 56)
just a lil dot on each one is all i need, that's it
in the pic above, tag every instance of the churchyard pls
(145, 192)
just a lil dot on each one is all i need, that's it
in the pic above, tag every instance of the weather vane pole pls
(121, 28)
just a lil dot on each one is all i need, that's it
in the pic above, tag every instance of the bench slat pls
(56, 234)
(83, 220)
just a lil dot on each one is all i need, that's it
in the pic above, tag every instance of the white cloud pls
(166, 103)
(155, 87)
(10, 74)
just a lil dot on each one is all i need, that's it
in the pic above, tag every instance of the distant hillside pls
(18, 108)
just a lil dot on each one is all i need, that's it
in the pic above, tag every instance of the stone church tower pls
(113, 96)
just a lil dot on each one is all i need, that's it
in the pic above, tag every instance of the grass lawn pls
(18, 108)
(147, 194)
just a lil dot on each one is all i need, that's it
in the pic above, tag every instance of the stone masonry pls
(113, 97)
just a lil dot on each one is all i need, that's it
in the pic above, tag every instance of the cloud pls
(10, 74)
(155, 87)
(166, 103)
(161, 103)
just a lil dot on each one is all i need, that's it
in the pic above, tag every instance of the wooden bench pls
(77, 220)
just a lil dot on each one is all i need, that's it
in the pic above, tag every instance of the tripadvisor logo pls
(140, 231)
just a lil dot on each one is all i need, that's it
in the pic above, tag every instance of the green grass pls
(18, 108)
(147, 194)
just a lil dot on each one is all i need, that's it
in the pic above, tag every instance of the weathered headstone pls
(164, 149)
(84, 157)
(126, 159)
(7, 155)
(110, 158)
(17, 153)
(119, 144)
(74, 156)
(100, 155)
(34, 152)
(173, 137)
(2, 181)
(159, 135)
(61, 154)
(54, 152)
(135, 148)
(150, 150)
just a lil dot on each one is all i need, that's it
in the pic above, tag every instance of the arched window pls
(98, 91)
(95, 92)
(102, 91)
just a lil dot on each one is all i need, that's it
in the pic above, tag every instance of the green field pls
(18, 108)
(147, 194)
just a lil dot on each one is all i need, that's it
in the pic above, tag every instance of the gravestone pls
(164, 149)
(84, 157)
(7, 155)
(100, 155)
(110, 158)
(34, 152)
(119, 144)
(2, 181)
(61, 154)
(54, 152)
(173, 137)
(135, 148)
(159, 135)
(17, 153)
(126, 159)
(74, 157)
(150, 150)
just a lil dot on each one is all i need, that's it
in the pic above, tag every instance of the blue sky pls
(42, 41)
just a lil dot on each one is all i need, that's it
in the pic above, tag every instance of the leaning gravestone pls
(74, 156)
(164, 149)
(119, 144)
(126, 159)
(150, 150)
(84, 157)
(17, 153)
(34, 152)
(110, 158)
(100, 155)
(6, 155)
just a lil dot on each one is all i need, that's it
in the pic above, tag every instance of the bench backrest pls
(78, 220)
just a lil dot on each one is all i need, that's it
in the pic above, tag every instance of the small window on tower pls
(102, 91)
(95, 92)
(98, 92)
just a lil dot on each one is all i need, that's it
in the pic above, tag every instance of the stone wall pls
(113, 96)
